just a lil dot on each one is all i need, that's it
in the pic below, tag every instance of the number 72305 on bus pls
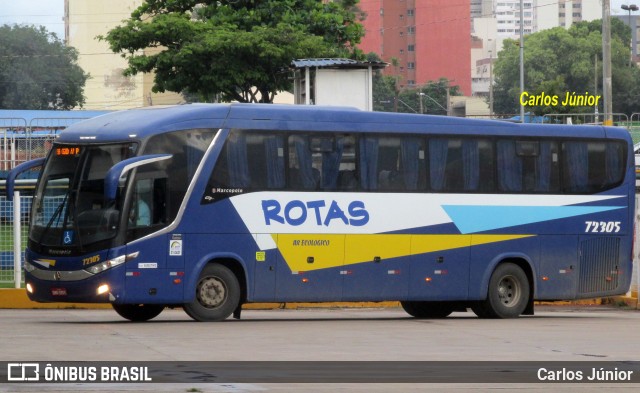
(209, 207)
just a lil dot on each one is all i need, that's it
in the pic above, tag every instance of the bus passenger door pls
(311, 267)
(377, 267)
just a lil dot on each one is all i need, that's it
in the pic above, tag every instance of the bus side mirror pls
(113, 175)
(13, 174)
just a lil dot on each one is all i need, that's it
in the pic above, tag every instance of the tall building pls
(107, 88)
(633, 21)
(481, 8)
(564, 13)
(423, 40)
(507, 14)
(503, 22)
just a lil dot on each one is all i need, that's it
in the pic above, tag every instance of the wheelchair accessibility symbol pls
(67, 237)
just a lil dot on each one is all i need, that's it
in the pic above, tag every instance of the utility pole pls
(522, 57)
(490, 84)
(595, 86)
(606, 62)
(448, 100)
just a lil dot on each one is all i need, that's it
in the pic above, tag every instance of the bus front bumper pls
(97, 288)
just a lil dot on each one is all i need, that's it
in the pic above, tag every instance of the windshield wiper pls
(55, 215)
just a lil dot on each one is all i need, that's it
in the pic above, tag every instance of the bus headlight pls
(102, 289)
(100, 267)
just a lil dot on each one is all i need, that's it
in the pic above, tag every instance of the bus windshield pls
(70, 209)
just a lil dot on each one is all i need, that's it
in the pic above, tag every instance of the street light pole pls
(420, 98)
(630, 7)
(606, 62)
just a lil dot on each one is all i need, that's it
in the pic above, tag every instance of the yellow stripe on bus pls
(306, 252)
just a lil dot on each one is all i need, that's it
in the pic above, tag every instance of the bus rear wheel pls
(138, 312)
(508, 293)
(424, 310)
(217, 295)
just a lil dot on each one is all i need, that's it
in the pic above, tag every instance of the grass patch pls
(6, 236)
(8, 285)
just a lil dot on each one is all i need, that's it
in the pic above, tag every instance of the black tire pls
(424, 310)
(138, 312)
(507, 295)
(217, 294)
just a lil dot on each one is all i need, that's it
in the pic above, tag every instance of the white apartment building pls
(500, 19)
(507, 14)
(554, 13)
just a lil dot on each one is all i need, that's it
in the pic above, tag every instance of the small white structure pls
(342, 82)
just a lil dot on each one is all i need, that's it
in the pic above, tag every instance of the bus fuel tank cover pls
(153, 291)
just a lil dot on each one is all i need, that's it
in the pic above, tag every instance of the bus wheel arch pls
(219, 291)
(509, 291)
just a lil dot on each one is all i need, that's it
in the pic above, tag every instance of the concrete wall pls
(107, 88)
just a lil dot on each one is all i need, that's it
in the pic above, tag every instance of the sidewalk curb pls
(17, 299)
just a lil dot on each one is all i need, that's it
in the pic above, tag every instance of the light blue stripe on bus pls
(472, 219)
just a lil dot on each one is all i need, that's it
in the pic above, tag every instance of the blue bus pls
(211, 206)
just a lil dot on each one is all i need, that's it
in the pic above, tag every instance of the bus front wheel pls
(217, 294)
(423, 310)
(138, 312)
(508, 293)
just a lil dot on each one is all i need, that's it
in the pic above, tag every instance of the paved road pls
(566, 334)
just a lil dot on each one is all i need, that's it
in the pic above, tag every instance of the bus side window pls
(399, 164)
(461, 164)
(592, 166)
(250, 160)
(303, 174)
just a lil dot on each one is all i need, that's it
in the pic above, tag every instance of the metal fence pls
(634, 127)
(7, 224)
(21, 140)
(619, 119)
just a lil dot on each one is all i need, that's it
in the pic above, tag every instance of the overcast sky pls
(34, 12)
(50, 12)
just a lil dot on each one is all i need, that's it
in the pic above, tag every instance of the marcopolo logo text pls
(320, 212)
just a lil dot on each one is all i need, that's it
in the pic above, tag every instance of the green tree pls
(558, 60)
(37, 71)
(384, 92)
(431, 97)
(232, 49)
(384, 87)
